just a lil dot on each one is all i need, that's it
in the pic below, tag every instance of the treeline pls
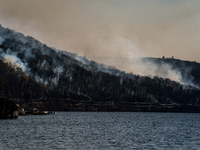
(86, 87)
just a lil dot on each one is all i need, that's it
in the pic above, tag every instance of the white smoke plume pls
(147, 67)
(15, 61)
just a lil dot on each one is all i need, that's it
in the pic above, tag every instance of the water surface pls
(102, 130)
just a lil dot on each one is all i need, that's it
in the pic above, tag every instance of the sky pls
(110, 28)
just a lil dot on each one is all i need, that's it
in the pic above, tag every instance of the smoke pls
(141, 67)
(15, 61)
(90, 27)
(151, 67)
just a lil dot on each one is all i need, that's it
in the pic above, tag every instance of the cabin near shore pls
(8, 109)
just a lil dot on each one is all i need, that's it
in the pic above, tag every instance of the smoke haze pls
(114, 28)
(137, 28)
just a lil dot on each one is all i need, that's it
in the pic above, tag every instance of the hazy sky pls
(127, 28)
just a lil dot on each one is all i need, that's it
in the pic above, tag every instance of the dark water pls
(102, 130)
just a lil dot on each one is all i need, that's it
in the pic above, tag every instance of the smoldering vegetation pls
(184, 72)
(52, 79)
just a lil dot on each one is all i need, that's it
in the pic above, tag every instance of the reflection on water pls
(102, 130)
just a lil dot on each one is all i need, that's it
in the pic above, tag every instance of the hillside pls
(182, 71)
(47, 78)
(189, 70)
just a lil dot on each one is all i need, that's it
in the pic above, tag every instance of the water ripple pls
(102, 130)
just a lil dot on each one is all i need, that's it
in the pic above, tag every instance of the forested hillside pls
(43, 77)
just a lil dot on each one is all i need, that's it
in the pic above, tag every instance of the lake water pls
(102, 130)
